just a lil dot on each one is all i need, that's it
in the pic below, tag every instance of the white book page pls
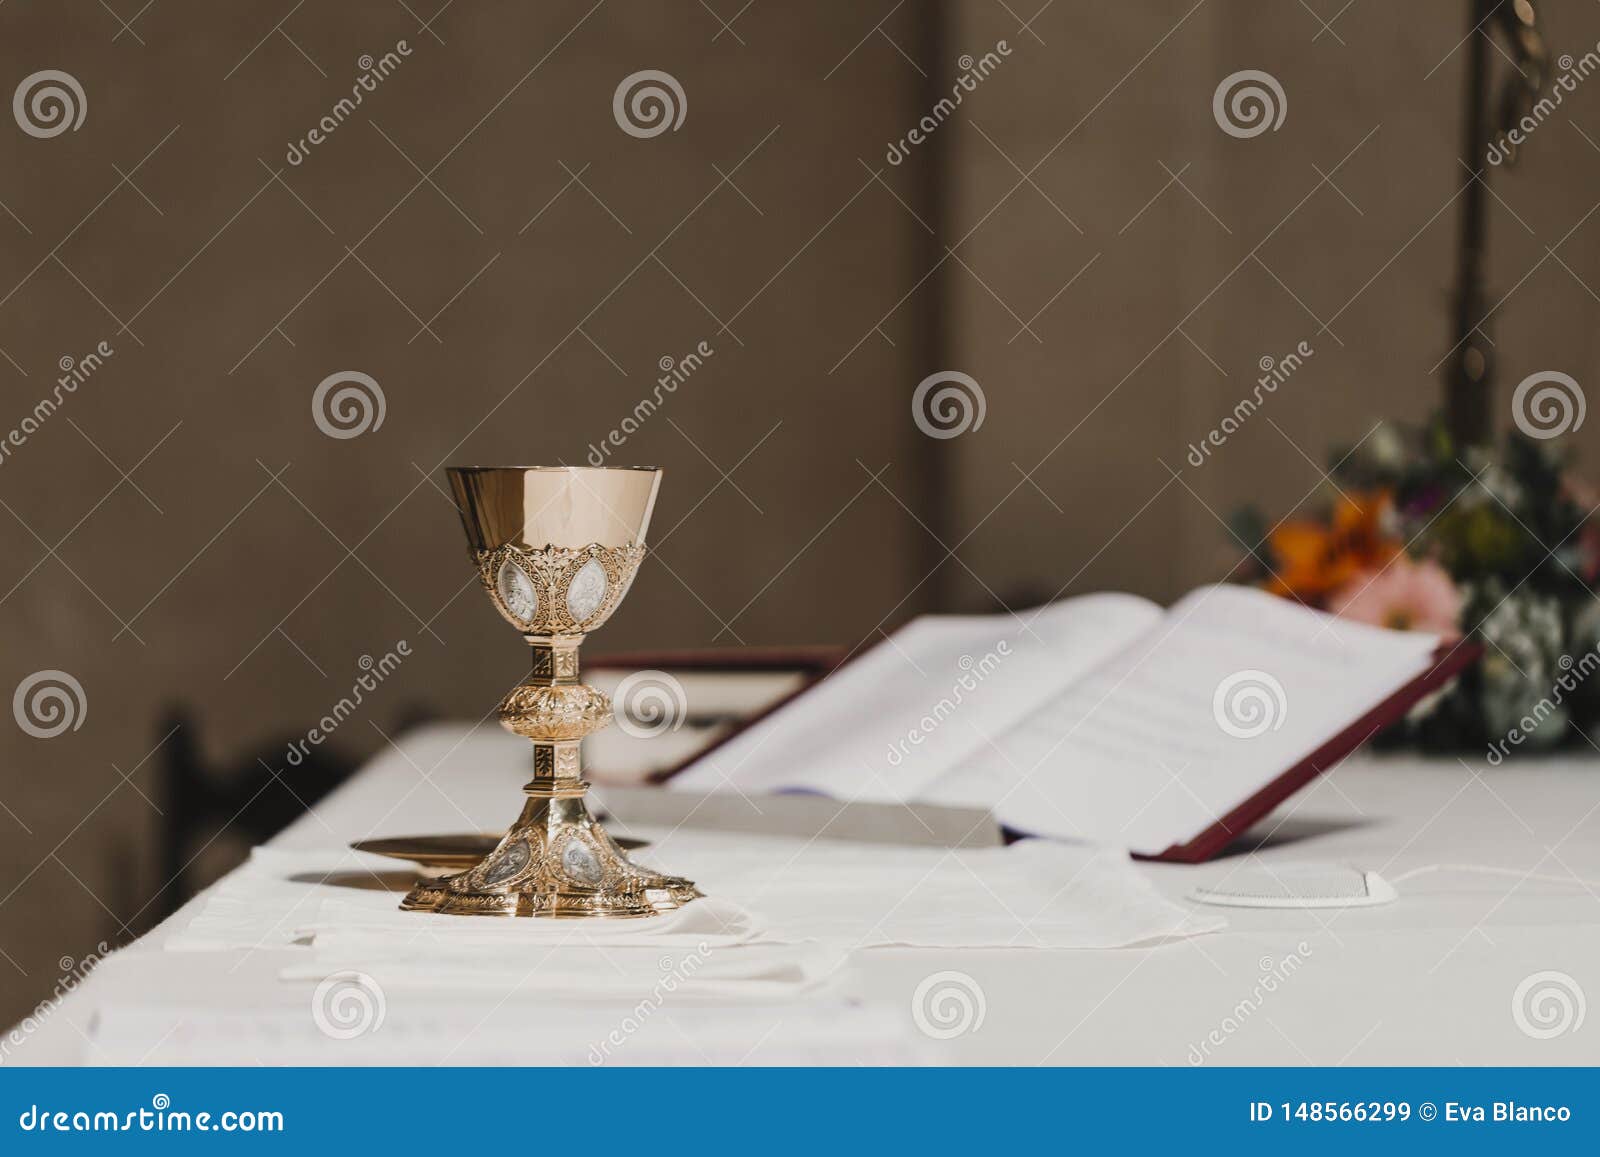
(1230, 689)
(919, 704)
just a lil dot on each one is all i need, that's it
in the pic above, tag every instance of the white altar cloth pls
(1435, 977)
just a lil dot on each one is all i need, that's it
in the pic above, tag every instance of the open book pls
(1102, 717)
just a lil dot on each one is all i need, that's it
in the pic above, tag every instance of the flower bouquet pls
(1415, 531)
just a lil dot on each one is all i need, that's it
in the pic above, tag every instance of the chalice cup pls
(556, 548)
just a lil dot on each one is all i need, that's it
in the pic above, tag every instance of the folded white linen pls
(1035, 893)
(263, 902)
(485, 1030)
(588, 972)
(279, 899)
(680, 951)
(712, 921)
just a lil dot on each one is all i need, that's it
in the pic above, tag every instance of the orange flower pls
(1312, 558)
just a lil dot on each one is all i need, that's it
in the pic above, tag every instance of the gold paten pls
(556, 548)
(450, 853)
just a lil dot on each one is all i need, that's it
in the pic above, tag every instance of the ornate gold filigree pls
(555, 661)
(550, 572)
(554, 712)
(579, 872)
(555, 761)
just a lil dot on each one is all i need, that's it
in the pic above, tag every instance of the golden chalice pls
(557, 548)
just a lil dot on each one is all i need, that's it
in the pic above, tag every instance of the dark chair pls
(251, 800)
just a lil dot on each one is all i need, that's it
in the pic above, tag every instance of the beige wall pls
(232, 576)
(1116, 384)
(820, 274)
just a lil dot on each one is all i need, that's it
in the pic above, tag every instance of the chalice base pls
(556, 862)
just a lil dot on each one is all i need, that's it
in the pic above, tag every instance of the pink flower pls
(1405, 595)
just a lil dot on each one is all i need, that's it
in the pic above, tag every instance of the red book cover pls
(1448, 662)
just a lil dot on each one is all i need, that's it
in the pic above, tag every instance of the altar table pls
(1433, 978)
